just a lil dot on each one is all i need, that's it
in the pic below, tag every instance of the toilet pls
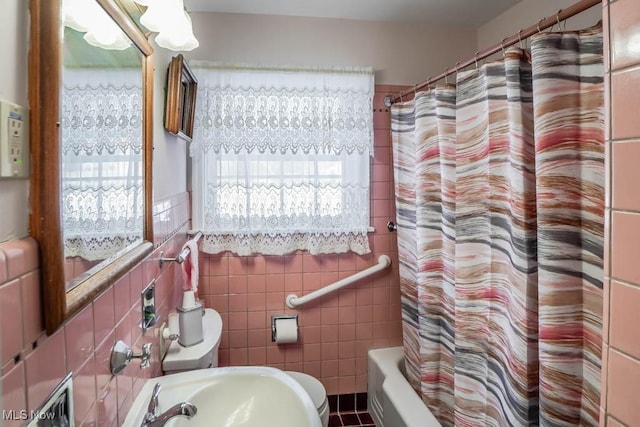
(205, 355)
(316, 391)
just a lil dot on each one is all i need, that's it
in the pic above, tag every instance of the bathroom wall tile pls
(122, 297)
(10, 314)
(328, 334)
(21, 256)
(238, 284)
(3, 266)
(625, 244)
(624, 382)
(45, 368)
(79, 339)
(218, 265)
(275, 301)
(103, 362)
(124, 405)
(136, 284)
(293, 263)
(257, 283)
(238, 339)
(84, 389)
(257, 355)
(625, 317)
(238, 302)
(103, 315)
(14, 393)
(219, 285)
(311, 281)
(256, 301)
(31, 307)
(275, 354)
(255, 265)
(312, 352)
(238, 357)
(624, 34)
(623, 107)
(381, 120)
(238, 321)
(257, 338)
(311, 264)
(625, 175)
(107, 405)
(612, 422)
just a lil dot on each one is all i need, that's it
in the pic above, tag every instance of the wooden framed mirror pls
(79, 96)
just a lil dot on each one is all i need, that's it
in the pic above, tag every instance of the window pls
(281, 159)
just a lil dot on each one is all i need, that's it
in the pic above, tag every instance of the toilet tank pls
(198, 356)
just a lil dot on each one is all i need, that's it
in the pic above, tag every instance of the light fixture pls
(172, 23)
(89, 18)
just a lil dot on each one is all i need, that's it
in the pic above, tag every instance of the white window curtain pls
(281, 159)
(101, 133)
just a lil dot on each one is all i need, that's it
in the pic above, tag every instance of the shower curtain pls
(500, 212)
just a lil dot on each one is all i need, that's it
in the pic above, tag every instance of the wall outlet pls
(14, 151)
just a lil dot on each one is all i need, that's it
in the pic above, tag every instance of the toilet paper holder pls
(281, 316)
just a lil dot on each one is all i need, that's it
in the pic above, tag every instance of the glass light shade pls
(79, 14)
(106, 34)
(160, 14)
(178, 37)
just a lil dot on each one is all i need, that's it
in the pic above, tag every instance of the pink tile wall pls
(621, 353)
(32, 363)
(335, 332)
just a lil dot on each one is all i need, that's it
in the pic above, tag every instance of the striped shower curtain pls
(500, 212)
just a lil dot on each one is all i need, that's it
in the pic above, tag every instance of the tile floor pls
(349, 410)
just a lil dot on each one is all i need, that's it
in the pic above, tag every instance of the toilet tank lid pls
(178, 357)
(311, 385)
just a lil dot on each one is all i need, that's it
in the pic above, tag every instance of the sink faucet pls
(152, 419)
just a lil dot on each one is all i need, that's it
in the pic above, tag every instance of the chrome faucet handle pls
(145, 356)
(122, 354)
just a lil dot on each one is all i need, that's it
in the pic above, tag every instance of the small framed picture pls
(182, 88)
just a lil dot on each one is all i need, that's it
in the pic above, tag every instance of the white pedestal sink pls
(251, 396)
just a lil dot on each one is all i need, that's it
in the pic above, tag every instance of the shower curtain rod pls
(543, 24)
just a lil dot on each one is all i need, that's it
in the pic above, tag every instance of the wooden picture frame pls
(182, 88)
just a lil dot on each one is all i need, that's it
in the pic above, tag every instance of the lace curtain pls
(101, 133)
(281, 159)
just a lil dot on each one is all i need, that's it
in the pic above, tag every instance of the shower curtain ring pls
(558, 19)
(415, 91)
(502, 46)
(539, 22)
(446, 76)
(520, 39)
(475, 58)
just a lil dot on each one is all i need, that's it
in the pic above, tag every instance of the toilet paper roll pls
(173, 325)
(286, 331)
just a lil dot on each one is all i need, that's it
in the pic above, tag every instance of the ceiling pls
(451, 12)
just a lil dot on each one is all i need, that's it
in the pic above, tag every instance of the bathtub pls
(392, 401)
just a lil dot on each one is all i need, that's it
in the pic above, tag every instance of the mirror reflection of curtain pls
(101, 133)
